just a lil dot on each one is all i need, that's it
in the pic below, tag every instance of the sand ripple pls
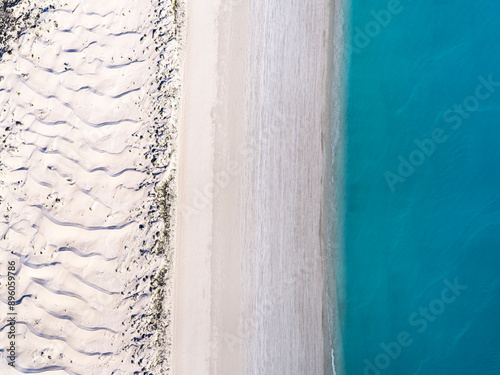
(87, 129)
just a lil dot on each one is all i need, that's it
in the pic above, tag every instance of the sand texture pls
(88, 169)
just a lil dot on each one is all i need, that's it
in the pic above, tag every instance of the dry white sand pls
(192, 336)
(255, 138)
(88, 130)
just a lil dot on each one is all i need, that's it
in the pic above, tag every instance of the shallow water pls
(421, 186)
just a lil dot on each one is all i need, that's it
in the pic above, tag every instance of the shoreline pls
(334, 193)
(331, 131)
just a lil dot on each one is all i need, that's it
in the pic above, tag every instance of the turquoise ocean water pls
(420, 287)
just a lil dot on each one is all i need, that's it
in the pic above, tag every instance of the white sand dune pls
(88, 131)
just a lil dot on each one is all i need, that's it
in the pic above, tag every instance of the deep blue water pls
(421, 246)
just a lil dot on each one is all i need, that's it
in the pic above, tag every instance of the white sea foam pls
(335, 191)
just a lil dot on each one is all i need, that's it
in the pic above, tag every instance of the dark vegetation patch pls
(16, 17)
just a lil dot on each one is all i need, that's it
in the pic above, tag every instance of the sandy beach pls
(255, 133)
